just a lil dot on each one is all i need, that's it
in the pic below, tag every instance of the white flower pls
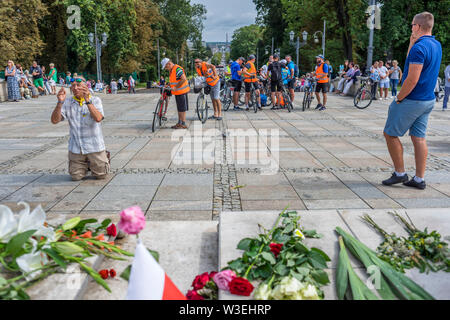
(310, 293)
(8, 224)
(299, 234)
(290, 286)
(263, 292)
(30, 262)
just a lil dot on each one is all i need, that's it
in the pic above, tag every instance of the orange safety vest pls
(320, 74)
(174, 82)
(252, 72)
(208, 74)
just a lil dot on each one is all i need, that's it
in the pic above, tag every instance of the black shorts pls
(324, 87)
(275, 86)
(248, 86)
(291, 84)
(182, 102)
(237, 85)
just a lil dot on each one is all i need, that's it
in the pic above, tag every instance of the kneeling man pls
(86, 145)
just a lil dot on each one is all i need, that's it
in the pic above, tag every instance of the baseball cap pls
(251, 57)
(283, 61)
(164, 62)
(320, 56)
(276, 56)
(242, 59)
(230, 62)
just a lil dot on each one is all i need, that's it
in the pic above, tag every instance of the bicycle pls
(308, 97)
(267, 91)
(226, 95)
(364, 97)
(286, 98)
(160, 113)
(202, 105)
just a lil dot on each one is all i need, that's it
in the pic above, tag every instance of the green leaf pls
(245, 244)
(303, 271)
(290, 263)
(80, 227)
(342, 271)
(297, 275)
(281, 269)
(265, 271)
(67, 248)
(317, 260)
(323, 254)
(155, 254)
(70, 224)
(320, 276)
(312, 234)
(237, 265)
(301, 248)
(268, 256)
(126, 273)
(16, 243)
(56, 257)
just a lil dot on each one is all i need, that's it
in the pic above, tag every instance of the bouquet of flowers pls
(31, 249)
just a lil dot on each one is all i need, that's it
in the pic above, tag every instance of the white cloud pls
(225, 17)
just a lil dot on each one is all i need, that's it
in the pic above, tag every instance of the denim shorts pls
(409, 115)
(215, 92)
(384, 84)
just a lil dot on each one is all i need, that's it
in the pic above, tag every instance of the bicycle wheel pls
(241, 98)
(254, 101)
(202, 108)
(288, 102)
(363, 98)
(305, 99)
(156, 116)
(309, 100)
(228, 99)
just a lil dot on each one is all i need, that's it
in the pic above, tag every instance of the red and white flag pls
(148, 281)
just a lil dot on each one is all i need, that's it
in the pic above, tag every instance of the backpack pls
(276, 71)
(263, 99)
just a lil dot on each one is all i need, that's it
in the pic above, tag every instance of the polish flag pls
(148, 281)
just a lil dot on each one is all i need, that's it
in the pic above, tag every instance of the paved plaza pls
(328, 163)
(327, 160)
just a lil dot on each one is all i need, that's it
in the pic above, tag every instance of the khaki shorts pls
(98, 163)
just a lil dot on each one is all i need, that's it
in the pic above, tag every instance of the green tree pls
(216, 59)
(245, 40)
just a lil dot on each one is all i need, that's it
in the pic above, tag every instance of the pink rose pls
(132, 220)
(223, 279)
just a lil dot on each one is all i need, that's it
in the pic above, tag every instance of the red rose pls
(111, 230)
(212, 274)
(193, 295)
(241, 287)
(276, 249)
(104, 274)
(200, 281)
(112, 273)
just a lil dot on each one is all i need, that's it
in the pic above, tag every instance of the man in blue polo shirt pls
(415, 101)
(236, 71)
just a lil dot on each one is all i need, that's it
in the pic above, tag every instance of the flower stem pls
(263, 245)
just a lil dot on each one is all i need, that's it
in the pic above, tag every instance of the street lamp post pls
(98, 49)
(370, 49)
(316, 40)
(298, 44)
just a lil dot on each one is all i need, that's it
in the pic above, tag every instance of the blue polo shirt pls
(235, 67)
(428, 52)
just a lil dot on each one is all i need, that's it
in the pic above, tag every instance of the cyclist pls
(236, 81)
(180, 89)
(292, 78)
(250, 80)
(227, 71)
(163, 85)
(275, 80)
(285, 73)
(209, 71)
(321, 75)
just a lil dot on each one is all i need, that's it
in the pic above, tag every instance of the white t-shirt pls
(113, 85)
(383, 71)
(264, 70)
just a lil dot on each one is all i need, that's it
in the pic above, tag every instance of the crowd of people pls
(24, 84)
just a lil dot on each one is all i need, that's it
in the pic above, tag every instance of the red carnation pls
(111, 230)
(276, 249)
(212, 274)
(104, 274)
(112, 273)
(193, 295)
(200, 281)
(241, 287)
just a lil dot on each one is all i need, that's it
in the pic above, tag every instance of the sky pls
(226, 16)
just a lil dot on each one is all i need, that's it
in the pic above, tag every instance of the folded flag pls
(148, 281)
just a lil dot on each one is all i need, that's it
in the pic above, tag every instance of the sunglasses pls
(78, 80)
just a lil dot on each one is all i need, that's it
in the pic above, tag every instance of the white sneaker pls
(381, 99)
(386, 99)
